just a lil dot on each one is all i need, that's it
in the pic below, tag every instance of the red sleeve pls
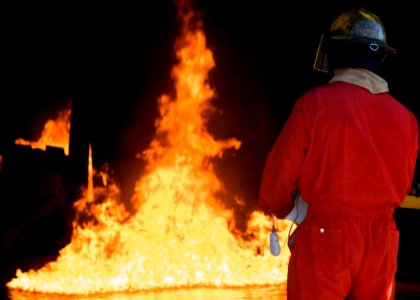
(283, 164)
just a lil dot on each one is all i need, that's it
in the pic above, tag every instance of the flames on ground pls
(56, 133)
(181, 234)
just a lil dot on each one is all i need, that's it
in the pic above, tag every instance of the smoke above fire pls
(180, 234)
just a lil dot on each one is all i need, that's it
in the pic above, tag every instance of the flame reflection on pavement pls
(272, 292)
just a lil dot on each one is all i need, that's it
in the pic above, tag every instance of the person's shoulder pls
(402, 108)
(314, 98)
(328, 87)
(316, 92)
(402, 105)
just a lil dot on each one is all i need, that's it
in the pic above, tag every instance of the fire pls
(181, 233)
(56, 133)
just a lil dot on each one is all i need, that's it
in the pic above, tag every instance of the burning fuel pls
(56, 133)
(180, 234)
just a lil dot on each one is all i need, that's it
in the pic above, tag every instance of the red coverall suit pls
(350, 149)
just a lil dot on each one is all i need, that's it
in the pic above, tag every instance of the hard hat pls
(358, 30)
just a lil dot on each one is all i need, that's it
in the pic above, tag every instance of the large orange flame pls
(180, 234)
(56, 133)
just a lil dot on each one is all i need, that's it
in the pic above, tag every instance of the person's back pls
(349, 148)
(362, 139)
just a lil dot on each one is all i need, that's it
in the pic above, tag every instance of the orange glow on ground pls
(181, 234)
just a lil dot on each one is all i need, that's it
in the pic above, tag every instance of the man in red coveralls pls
(349, 148)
